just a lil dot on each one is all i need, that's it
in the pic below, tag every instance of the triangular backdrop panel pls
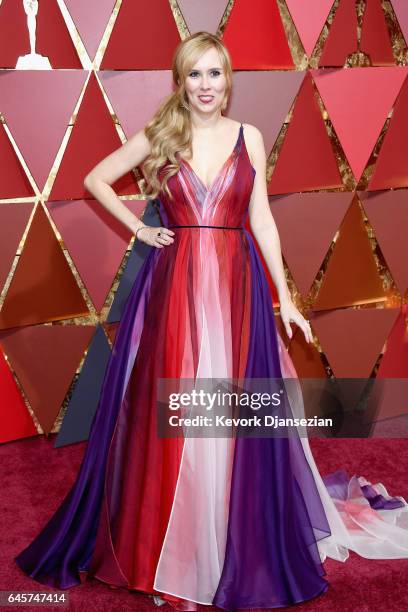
(352, 339)
(264, 99)
(375, 38)
(306, 357)
(45, 359)
(388, 400)
(16, 421)
(144, 37)
(306, 159)
(309, 19)
(342, 38)
(14, 182)
(392, 378)
(351, 276)
(256, 38)
(13, 221)
(90, 21)
(308, 365)
(387, 212)
(37, 106)
(52, 36)
(307, 224)
(394, 363)
(83, 404)
(358, 101)
(401, 12)
(135, 95)
(200, 15)
(391, 168)
(92, 139)
(43, 287)
(96, 241)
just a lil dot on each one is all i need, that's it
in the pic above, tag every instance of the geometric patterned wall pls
(326, 83)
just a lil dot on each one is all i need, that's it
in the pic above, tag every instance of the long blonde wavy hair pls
(169, 131)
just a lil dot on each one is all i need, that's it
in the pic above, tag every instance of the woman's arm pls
(99, 180)
(264, 229)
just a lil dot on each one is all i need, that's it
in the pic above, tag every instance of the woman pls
(237, 521)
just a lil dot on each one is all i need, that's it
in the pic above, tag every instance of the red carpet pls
(35, 477)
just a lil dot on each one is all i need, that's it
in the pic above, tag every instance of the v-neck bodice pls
(212, 184)
(224, 203)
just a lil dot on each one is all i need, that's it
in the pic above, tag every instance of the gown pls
(236, 522)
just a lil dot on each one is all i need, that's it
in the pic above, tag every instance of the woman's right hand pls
(150, 235)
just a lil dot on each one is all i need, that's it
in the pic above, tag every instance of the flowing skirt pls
(237, 522)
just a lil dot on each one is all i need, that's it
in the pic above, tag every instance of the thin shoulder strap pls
(241, 133)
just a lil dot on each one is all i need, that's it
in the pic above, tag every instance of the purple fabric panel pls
(66, 543)
(271, 557)
(338, 483)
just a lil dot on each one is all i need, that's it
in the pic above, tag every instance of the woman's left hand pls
(288, 313)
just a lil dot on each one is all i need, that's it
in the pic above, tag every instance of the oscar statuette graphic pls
(33, 60)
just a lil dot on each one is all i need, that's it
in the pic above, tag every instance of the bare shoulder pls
(254, 141)
(252, 133)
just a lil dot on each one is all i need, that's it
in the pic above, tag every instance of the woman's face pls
(206, 83)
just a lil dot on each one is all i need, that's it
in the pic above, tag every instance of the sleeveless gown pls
(239, 522)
